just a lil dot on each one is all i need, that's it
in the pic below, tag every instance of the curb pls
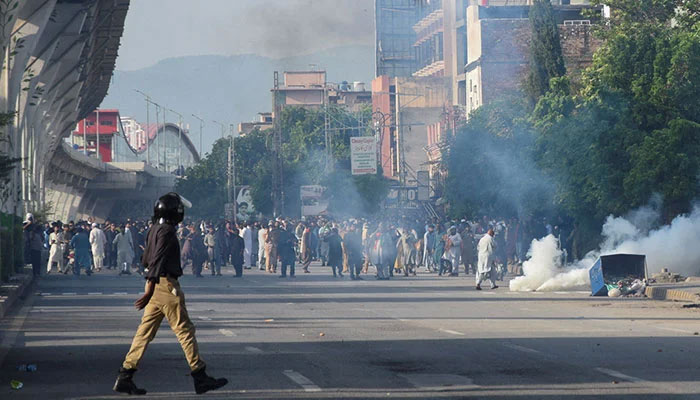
(659, 293)
(14, 289)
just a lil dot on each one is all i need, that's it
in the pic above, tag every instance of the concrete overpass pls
(59, 56)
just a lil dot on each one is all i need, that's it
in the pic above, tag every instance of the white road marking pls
(673, 329)
(45, 294)
(402, 320)
(69, 294)
(253, 350)
(451, 332)
(521, 348)
(205, 318)
(94, 293)
(120, 293)
(301, 380)
(620, 375)
(227, 332)
(439, 381)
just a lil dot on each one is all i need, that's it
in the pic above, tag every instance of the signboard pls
(313, 200)
(363, 155)
(402, 197)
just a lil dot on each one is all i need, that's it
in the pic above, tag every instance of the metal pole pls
(201, 126)
(97, 141)
(165, 147)
(148, 123)
(233, 175)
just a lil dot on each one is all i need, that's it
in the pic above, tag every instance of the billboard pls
(313, 200)
(402, 198)
(363, 155)
(244, 204)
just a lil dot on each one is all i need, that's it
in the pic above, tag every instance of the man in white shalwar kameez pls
(247, 235)
(455, 250)
(485, 248)
(98, 240)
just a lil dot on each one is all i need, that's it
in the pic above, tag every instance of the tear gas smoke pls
(672, 246)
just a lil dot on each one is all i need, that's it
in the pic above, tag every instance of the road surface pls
(320, 337)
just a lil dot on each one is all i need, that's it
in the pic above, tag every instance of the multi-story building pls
(263, 123)
(134, 132)
(311, 89)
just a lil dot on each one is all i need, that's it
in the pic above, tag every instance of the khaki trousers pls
(271, 258)
(168, 301)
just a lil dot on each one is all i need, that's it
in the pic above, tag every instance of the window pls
(106, 122)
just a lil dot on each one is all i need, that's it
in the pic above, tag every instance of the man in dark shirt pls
(237, 247)
(164, 298)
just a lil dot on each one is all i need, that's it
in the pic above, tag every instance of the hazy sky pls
(158, 29)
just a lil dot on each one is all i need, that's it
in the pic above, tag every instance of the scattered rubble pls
(665, 276)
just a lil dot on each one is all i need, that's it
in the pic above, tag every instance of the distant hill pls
(229, 89)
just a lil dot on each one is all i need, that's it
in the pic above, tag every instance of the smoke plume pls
(672, 246)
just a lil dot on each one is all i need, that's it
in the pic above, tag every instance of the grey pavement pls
(319, 337)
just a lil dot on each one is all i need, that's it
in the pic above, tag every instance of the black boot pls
(204, 383)
(125, 384)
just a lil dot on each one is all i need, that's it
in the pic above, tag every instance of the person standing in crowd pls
(33, 243)
(210, 243)
(81, 245)
(286, 250)
(429, 242)
(305, 250)
(382, 251)
(110, 256)
(271, 243)
(186, 251)
(98, 241)
(125, 250)
(56, 250)
(335, 252)
(247, 235)
(254, 228)
(199, 251)
(237, 252)
(220, 249)
(352, 244)
(468, 251)
(164, 298)
(486, 249)
(262, 239)
(323, 234)
(455, 249)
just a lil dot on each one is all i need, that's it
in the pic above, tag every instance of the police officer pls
(164, 298)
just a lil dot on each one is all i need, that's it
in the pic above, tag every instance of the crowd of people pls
(488, 248)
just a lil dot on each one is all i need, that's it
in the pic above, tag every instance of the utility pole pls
(222, 127)
(97, 133)
(148, 123)
(179, 137)
(277, 177)
(201, 127)
(165, 147)
(231, 172)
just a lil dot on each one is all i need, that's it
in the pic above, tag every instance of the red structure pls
(88, 129)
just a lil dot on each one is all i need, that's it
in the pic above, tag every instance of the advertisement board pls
(313, 200)
(363, 155)
(244, 204)
(402, 198)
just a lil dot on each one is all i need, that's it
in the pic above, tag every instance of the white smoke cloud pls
(673, 246)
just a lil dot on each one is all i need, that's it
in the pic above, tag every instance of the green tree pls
(546, 58)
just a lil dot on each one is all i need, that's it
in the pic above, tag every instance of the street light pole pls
(201, 126)
(232, 172)
(179, 137)
(222, 127)
(148, 123)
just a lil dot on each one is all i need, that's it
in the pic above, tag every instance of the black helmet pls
(170, 208)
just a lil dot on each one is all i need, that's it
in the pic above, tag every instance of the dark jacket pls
(335, 249)
(162, 254)
(237, 248)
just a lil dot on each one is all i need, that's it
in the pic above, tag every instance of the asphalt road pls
(319, 337)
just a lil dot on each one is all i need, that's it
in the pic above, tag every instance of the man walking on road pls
(164, 299)
(98, 240)
(485, 248)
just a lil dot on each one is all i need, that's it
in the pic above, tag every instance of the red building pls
(100, 123)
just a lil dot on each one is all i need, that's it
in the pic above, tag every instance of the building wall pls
(303, 97)
(305, 78)
(498, 50)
